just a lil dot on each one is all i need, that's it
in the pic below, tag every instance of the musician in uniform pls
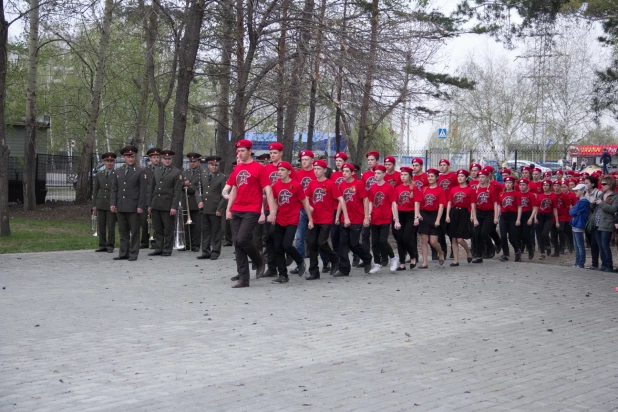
(102, 189)
(213, 206)
(192, 185)
(163, 201)
(154, 157)
(128, 201)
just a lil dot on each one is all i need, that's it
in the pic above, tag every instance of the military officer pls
(192, 185)
(163, 201)
(213, 206)
(128, 201)
(102, 189)
(154, 157)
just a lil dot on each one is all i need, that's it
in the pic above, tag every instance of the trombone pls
(150, 228)
(94, 219)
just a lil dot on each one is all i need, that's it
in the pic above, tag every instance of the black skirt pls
(460, 226)
(427, 226)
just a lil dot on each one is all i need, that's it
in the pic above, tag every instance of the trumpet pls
(94, 220)
(189, 221)
(150, 228)
(179, 230)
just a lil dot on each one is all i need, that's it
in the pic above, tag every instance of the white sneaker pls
(376, 268)
(393, 263)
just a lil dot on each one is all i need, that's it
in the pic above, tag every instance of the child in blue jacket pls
(579, 214)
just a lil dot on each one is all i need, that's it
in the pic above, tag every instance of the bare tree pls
(5, 228)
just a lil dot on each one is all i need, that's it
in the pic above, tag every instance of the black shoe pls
(121, 258)
(504, 258)
(253, 266)
(143, 246)
(294, 271)
(288, 260)
(423, 267)
(110, 250)
(469, 260)
(313, 277)
(281, 279)
(531, 254)
(227, 244)
(384, 262)
(326, 268)
(166, 254)
(334, 268)
(359, 265)
(542, 257)
(434, 255)
(195, 249)
(270, 273)
(492, 253)
(235, 278)
(399, 268)
(214, 257)
(241, 284)
(478, 260)
(132, 258)
(340, 275)
(203, 257)
(451, 255)
(412, 265)
(518, 257)
(155, 253)
(356, 262)
(101, 249)
(556, 254)
(300, 269)
(260, 269)
(367, 266)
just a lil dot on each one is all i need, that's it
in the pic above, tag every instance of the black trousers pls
(508, 227)
(106, 228)
(128, 227)
(558, 238)
(211, 235)
(334, 233)
(366, 232)
(524, 231)
(349, 239)
(163, 225)
(193, 233)
(482, 231)
(243, 224)
(227, 229)
(283, 242)
(543, 229)
(317, 239)
(258, 236)
(594, 248)
(379, 242)
(145, 236)
(406, 237)
(268, 240)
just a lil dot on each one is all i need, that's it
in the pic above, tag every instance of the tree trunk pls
(238, 111)
(160, 123)
(186, 72)
(223, 112)
(363, 126)
(83, 172)
(281, 70)
(296, 81)
(140, 122)
(315, 76)
(338, 103)
(5, 227)
(29, 177)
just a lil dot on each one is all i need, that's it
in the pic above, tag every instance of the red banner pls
(592, 150)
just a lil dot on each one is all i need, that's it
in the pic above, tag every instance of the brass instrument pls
(189, 221)
(179, 230)
(150, 228)
(95, 225)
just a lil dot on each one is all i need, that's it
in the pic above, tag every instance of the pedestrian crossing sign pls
(442, 133)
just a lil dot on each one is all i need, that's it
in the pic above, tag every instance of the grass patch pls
(46, 236)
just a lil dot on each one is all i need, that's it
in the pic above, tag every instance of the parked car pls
(521, 163)
(555, 166)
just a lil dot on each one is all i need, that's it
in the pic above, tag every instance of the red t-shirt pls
(249, 179)
(474, 183)
(289, 198)
(527, 201)
(393, 179)
(420, 181)
(369, 178)
(564, 205)
(323, 198)
(406, 197)
(305, 177)
(382, 198)
(485, 198)
(509, 201)
(337, 177)
(497, 188)
(545, 203)
(536, 188)
(353, 195)
(448, 180)
(273, 176)
(432, 198)
(462, 197)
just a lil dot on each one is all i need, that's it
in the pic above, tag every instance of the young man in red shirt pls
(249, 183)
(418, 176)
(357, 205)
(369, 180)
(447, 181)
(337, 177)
(383, 210)
(305, 176)
(392, 176)
(323, 197)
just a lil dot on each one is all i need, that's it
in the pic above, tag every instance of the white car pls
(520, 163)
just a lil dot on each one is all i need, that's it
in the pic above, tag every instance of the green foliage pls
(45, 236)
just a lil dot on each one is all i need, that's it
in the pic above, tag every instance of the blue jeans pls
(580, 248)
(299, 239)
(603, 239)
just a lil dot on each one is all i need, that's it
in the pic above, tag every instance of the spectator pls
(592, 194)
(579, 217)
(604, 220)
(583, 165)
(606, 159)
(483, 162)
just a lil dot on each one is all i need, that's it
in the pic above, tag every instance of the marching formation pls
(278, 216)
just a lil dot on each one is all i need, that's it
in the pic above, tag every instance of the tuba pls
(179, 230)
(95, 225)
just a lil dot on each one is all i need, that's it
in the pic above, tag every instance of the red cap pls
(444, 161)
(484, 172)
(389, 159)
(536, 169)
(433, 171)
(490, 169)
(573, 180)
(528, 168)
(576, 174)
(417, 160)
(526, 181)
(509, 179)
(406, 169)
(582, 180)
(320, 163)
(584, 174)
(473, 165)
(374, 154)
(348, 166)
(463, 172)
(341, 155)
(507, 171)
(308, 153)
(546, 181)
(285, 165)
(379, 167)
(569, 173)
(276, 146)
(244, 143)
(557, 182)
(559, 172)
(547, 174)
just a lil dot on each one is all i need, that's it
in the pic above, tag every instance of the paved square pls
(80, 332)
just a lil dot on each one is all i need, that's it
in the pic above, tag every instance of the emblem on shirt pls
(274, 176)
(241, 178)
(482, 197)
(348, 195)
(524, 202)
(393, 182)
(284, 197)
(305, 182)
(559, 203)
(473, 186)
(338, 181)
(370, 182)
(377, 200)
(429, 199)
(545, 204)
(418, 184)
(404, 197)
(508, 201)
(459, 197)
(445, 184)
(318, 195)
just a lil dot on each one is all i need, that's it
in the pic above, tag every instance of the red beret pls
(320, 163)
(379, 167)
(341, 155)
(417, 160)
(374, 154)
(307, 153)
(528, 168)
(244, 143)
(557, 182)
(473, 165)
(569, 173)
(463, 172)
(406, 169)
(389, 159)
(576, 174)
(490, 169)
(547, 174)
(285, 165)
(509, 179)
(559, 172)
(444, 161)
(484, 172)
(507, 171)
(536, 169)
(585, 174)
(276, 146)
(547, 181)
(526, 181)
(348, 166)
(433, 171)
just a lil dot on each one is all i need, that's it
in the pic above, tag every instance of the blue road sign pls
(442, 133)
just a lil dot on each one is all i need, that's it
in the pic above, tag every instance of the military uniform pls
(193, 232)
(101, 194)
(212, 234)
(163, 195)
(155, 151)
(129, 189)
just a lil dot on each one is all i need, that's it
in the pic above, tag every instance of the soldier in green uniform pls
(154, 156)
(213, 207)
(102, 189)
(192, 185)
(128, 201)
(163, 201)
